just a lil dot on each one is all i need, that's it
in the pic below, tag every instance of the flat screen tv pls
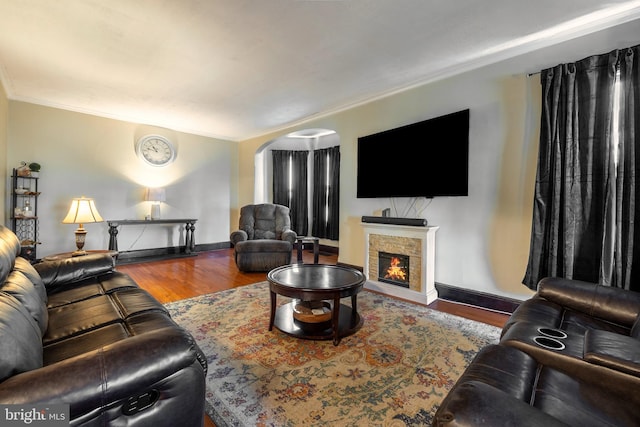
(425, 159)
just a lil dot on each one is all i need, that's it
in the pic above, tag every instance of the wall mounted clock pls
(156, 150)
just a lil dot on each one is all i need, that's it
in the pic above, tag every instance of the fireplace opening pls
(393, 269)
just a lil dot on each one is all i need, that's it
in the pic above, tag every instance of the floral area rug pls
(394, 371)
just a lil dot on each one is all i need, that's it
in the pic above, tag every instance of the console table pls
(189, 241)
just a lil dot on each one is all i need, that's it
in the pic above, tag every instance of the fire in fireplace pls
(393, 269)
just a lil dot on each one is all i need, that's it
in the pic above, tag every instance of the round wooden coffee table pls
(316, 282)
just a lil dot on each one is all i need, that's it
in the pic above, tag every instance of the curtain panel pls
(585, 191)
(280, 179)
(299, 205)
(290, 186)
(326, 193)
(627, 259)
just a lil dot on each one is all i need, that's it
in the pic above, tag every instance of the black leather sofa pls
(570, 355)
(77, 332)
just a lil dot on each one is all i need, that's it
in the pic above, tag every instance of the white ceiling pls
(234, 69)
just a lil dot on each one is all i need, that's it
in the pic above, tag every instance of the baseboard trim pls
(477, 299)
(467, 296)
(158, 254)
(328, 250)
(213, 246)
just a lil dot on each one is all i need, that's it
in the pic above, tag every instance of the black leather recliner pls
(570, 355)
(78, 332)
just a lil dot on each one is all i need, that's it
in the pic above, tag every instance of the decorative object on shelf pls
(27, 210)
(29, 169)
(156, 150)
(155, 196)
(34, 168)
(82, 211)
(23, 170)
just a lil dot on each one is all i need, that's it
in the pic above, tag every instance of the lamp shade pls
(155, 195)
(82, 211)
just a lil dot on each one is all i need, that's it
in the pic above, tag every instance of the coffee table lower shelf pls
(348, 323)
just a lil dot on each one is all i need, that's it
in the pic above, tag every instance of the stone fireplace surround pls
(416, 242)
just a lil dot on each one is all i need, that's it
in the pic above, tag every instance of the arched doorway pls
(307, 139)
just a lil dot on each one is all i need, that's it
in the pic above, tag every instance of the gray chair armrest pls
(290, 236)
(238, 236)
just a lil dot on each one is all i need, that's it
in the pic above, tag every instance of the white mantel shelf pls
(428, 292)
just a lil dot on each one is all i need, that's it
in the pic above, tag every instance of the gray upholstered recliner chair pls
(264, 240)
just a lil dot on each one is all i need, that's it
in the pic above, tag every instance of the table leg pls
(272, 316)
(354, 308)
(316, 250)
(113, 237)
(335, 321)
(300, 246)
(190, 243)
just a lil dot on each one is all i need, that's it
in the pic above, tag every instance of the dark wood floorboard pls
(180, 278)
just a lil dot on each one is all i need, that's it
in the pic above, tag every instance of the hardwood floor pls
(180, 278)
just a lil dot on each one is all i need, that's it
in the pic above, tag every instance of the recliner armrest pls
(612, 304)
(63, 271)
(110, 374)
(290, 236)
(474, 403)
(611, 350)
(238, 236)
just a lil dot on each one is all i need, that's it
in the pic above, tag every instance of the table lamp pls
(82, 211)
(155, 196)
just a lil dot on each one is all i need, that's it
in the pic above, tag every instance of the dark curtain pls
(292, 192)
(280, 179)
(626, 257)
(326, 197)
(299, 206)
(574, 174)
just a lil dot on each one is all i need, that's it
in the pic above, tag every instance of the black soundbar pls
(415, 222)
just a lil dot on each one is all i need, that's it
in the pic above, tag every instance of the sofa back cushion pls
(9, 250)
(604, 302)
(635, 329)
(31, 295)
(21, 341)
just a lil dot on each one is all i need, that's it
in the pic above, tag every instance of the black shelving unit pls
(24, 212)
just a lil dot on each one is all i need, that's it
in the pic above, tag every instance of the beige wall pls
(85, 155)
(483, 240)
(4, 111)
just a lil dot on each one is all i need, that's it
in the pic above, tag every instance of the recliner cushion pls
(26, 268)
(26, 292)
(91, 287)
(21, 343)
(9, 250)
(265, 246)
(264, 221)
(80, 317)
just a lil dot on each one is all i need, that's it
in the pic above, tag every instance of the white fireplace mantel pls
(427, 292)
